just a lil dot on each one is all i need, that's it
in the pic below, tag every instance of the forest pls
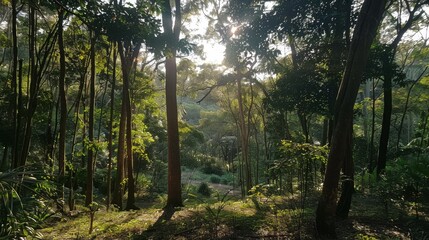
(214, 119)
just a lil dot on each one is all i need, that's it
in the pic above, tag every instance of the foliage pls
(159, 175)
(302, 90)
(215, 179)
(213, 216)
(283, 49)
(21, 212)
(304, 151)
(409, 173)
(204, 189)
(211, 167)
(295, 154)
(379, 65)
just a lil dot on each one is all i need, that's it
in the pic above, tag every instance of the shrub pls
(214, 179)
(204, 189)
(211, 168)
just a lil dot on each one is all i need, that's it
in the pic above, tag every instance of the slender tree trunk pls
(365, 31)
(131, 182)
(303, 120)
(73, 143)
(16, 154)
(63, 105)
(119, 188)
(84, 120)
(371, 142)
(90, 159)
(174, 192)
(110, 136)
(244, 138)
(401, 124)
(257, 146)
(266, 144)
(249, 157)
(285, 123)
(385, 128)
(14, 84)
(413, 16)
(32, 91)
(37, 70)
(424, 119)
(3, 164)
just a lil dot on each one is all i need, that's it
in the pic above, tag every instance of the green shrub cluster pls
(204, 189)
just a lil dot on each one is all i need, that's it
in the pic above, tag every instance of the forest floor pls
(227, 216)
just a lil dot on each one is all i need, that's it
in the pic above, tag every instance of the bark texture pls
(174, 192)
(365, 31)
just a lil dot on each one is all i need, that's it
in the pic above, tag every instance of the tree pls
(368, 21)
(110, 128)
(91, 147)
(15, 106)
(172, 34)
(63, 103)
(415, 12)
(38, 67)
(132, 52)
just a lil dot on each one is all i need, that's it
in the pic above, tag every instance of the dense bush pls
(204, 189)
(21, 212)
(214, 179)
(212, 168)
(189, 160)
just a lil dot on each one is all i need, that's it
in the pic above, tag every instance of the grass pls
(269, 217)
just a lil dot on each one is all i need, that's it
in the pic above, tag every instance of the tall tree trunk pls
(127, 63)
(385, 128)
(303, 120)
(90, 159)
(244, 138)
(131, 182)
(285, 120)
(32, 102)
(14, 84)
(128, 56)
(16, 154)
(63, 106)
(266, 144)
(3, 164)
(120, 163)
(413, 16)
(257, 148)
(347, 184)
(73, 143)
(110, 136)
(119, 188)
(174, 192)
(365, 31)
(36, 72)
(371, 142)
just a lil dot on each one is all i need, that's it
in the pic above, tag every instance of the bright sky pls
(213, 50)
